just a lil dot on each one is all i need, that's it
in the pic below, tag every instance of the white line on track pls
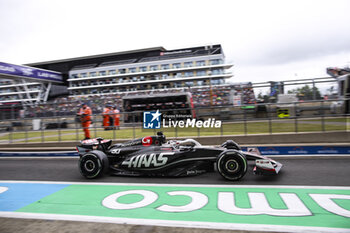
(172, 223)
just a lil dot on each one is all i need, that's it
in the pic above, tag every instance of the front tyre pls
(93, 164)
(232, 165)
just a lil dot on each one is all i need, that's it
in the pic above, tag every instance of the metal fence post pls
(10, 132)
(295, 118)
(76, 129)
(176, 126)
(133, 126)
(322, 116)
(42, 131)
(12, 113)
(94, 125)
(245, 122)
(59, 127)
(25, 130)
(221, 129)
(269, 117)
(114, 129)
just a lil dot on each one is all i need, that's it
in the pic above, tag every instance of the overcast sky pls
(265, 40)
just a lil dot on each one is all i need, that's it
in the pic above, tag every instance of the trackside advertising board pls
(264, 150)
(29, 72)
(272, 208)
(302, 150)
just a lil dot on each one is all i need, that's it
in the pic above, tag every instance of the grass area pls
(342, 120)
(238, 128)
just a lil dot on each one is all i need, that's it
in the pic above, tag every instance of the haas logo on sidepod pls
(148, 160)
(146, 141)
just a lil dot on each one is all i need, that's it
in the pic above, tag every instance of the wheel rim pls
(89, 165)
(232, 166)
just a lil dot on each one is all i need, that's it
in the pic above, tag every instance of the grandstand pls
(142, 70)
(101, 79)
(166, 70)
(25, 85)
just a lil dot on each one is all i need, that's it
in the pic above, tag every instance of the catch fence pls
(58, 121)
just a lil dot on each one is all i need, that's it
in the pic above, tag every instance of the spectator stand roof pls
(24, 84)
(11, 71)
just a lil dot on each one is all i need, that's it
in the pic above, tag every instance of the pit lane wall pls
(325, 143)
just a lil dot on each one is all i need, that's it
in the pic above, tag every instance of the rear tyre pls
(93, 164)
(232, 165)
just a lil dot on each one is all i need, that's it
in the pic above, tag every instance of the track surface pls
(301, 171)
(306, 171)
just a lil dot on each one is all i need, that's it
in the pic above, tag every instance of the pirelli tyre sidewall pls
(232, 165)
(93, 164)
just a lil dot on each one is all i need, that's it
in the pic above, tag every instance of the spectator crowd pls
(64, 106)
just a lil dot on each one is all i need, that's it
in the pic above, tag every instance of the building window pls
(93, 74)
(177, 84)
(102, 73)
(143, 87)
(74, 76)
(142, 78)
(122, 71)
(217, 71)
(200, 63)
(132, 70)
(165, 66)
(189, 84)
(189, 74)
(200, 73)
(215, 61)
(155, 67)
(188, 64)
(178, 75)
(166, 85)
(83, 75)
(111, 72)
(217, 81)
(176, 65)
(200, 83)
(164, 76)
(143, 68)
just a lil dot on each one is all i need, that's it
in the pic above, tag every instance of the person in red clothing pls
(85, 118)
(106, 117)
(116, 116)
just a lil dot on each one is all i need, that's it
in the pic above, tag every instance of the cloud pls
(306, 47)
(256, 35)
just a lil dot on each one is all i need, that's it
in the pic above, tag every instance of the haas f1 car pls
(153, 156)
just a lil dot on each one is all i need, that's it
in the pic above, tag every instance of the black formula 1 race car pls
(153, 156)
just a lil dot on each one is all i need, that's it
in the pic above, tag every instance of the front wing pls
(263, 164)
